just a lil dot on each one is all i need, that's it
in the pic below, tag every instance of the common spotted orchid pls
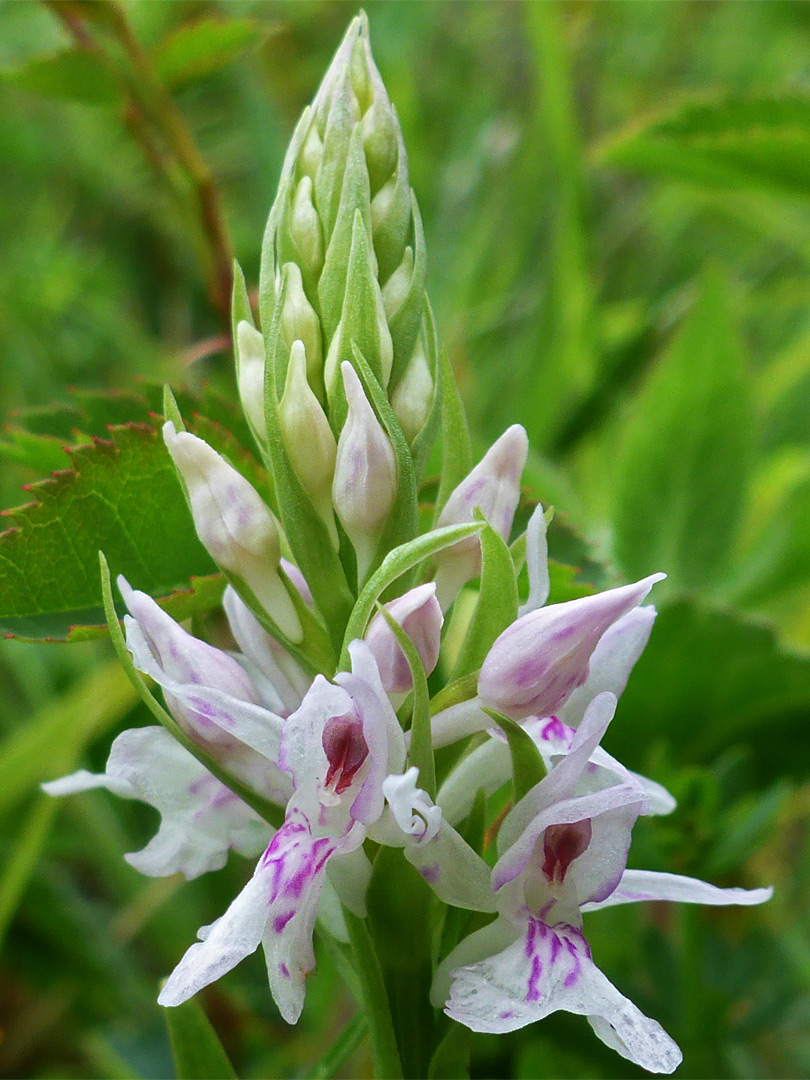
(361, 661)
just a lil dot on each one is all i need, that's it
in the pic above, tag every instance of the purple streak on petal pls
(556, 945)
(554, 729)
(573, 975)
(281, 921)
(285, 971)
(430, 873)
(533, 992)
(507, 1015)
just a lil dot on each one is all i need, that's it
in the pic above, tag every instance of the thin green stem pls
(387, 1065)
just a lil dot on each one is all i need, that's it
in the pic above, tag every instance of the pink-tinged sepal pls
(536, 562)
(201, 819)
(419, 615)
(493, 487)
(644, 885)
(548, 968)
(538, 661)
(279, 679)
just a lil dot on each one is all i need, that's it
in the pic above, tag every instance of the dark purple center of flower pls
(562, 844)
(345, 750)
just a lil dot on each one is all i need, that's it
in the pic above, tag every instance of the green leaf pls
(31, 835)
(196, 1049)
(456, 447)
(53, 738)
(336, 1055)
(528, 767)
(497, 604)
(375, 998)
(200, 48)
(451, 1059)
(718, 679)
(120, 495)
(755, 142)
(683, 467)
(421, 749)
(43, 453)
(70, 75)
(394, 565)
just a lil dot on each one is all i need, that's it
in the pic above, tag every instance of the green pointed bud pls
(396, 289)
(308, 438)
(305, 227)
(347, 170)
(300, 323)
(250, 375)
(413, 397)
(311, 153)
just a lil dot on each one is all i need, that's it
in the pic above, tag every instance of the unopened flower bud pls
(380, 143)
(311, 153)
(493, 487)
(233, 524)
(542, 657)
(300, 323)
(305, 226)
(184, 660)
(250, 375)
(395, 290)
(419, 615)
(365, 484)
(308, 438)
(413, 396)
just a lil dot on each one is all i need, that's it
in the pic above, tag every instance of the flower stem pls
(375, 997)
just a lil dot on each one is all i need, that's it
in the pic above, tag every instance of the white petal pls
(458, 721)
(548, 969)
(364, 666)
(227, 941)
(637, 885)
(285, 676)
(87, 781)
(296, 863)
(201, 819)
(611, 662)
(563, 778)
(302, 754)
(350, 874)
(537, 563)
(488, 941)
(516, 858)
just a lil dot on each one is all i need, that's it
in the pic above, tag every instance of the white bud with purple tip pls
(493, 487)
(365, 484)
(419, 615)
(233, 524)
(542, 657)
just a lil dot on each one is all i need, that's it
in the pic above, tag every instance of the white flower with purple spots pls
(338, 748)
(563, 849)
(219, 707)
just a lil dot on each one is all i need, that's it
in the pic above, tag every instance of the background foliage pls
(617, 206)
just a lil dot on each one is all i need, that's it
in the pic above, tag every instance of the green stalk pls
(375, 998)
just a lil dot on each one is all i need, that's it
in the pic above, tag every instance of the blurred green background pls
(616, 200)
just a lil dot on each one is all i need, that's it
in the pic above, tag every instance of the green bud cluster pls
(343, 261)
